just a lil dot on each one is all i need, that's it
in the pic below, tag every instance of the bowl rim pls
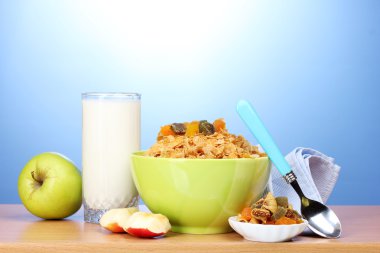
(140, 154)
(267, 233)
(234, 219)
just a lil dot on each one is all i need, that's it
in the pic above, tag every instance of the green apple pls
(50, 186)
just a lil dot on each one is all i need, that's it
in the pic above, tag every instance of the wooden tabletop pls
(22, 232)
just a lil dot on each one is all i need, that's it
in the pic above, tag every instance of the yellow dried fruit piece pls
(192, 128)
(270, 203)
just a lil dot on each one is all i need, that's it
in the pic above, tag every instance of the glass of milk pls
(111, 132)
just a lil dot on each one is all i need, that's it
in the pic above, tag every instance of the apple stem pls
(35, 178)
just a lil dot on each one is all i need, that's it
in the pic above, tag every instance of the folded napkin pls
(316, 174)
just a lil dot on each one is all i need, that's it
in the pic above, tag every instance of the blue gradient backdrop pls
(311, 68)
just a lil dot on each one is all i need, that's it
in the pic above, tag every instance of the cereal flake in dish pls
(201, 139)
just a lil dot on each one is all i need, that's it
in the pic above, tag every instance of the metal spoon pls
(322, 220)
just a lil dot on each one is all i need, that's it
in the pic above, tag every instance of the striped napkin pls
(316, 174)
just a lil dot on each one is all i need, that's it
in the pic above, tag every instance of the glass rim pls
(110, 95)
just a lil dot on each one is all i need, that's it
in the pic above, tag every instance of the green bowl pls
(199, 195)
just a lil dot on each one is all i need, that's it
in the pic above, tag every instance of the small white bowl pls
(266, 233)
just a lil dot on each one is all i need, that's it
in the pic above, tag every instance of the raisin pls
(178, 128)
(206, 128)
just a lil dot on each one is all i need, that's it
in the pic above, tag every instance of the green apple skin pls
(50, 186)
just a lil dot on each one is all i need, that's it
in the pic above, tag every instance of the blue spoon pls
(322, 220)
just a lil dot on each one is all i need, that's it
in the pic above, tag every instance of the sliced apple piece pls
(115, 219)
(147, 225)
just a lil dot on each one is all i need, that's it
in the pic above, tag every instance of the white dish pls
(266, 233)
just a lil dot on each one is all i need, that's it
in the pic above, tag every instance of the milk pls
(111, 132)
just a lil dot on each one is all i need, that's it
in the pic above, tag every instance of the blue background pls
(311, 68)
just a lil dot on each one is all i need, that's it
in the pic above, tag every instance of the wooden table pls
(22, 232)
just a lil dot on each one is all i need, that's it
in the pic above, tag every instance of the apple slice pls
(147, 225)
(115, 219)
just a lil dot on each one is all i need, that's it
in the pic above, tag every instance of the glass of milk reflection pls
(111, 132)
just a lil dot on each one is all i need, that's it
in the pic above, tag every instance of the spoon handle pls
(257, 128)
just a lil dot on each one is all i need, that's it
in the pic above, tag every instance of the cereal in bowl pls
(201, 139)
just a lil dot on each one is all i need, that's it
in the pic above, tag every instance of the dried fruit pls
(183, 140)
(280, 212)
(219, 125)
(292, 214)
(178, 128)
(271, 210)
(192, 128)
(261, 214)
(206, 128)
(165, 131)
(282, 201)
(259, 203)
(246, 214)
(285, 221)
(270, 203)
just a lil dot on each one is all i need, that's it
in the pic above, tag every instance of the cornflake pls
(218, 145)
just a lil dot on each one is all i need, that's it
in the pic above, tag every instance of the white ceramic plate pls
(266, 233)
